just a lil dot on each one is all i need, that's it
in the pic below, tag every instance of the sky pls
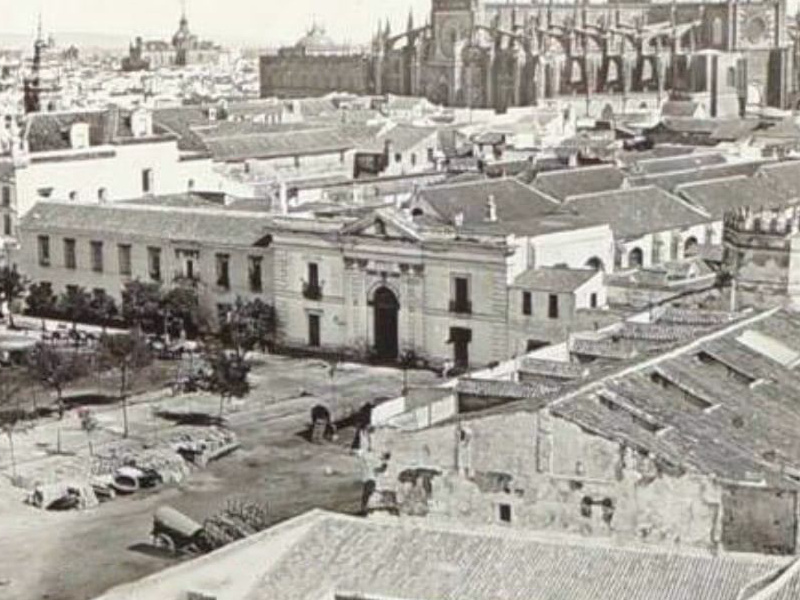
(269, 22)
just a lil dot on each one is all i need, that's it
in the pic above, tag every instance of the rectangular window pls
(147, 181)
(6, 196)
(313, 331)
(505, 513)
(552, 306)
(223, 271)
(312, 290)
(124, 254)
(44, 250)
(313, 274)
(6, 224)
(593, 300)
(97, 257)
(460, 302)
(154, 263)
(254, 274)
(526, 303)
(70, 260)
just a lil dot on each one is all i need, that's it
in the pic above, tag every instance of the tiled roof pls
(502, 389)
(747, 437)
(553, 369)
(406, 137)
(51, 131)
(211, 226)
(572, 182)
(327, 555)
(637, 211)
(181, 122)
(784, 177)
(719, 196)
(679, 163)
(274, 145)
(630, 158)
(602, 348)
(554, 279)
(391, 559)
(515, 201)
(669, 181)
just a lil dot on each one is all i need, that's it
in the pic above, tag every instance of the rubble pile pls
(162, 459)
(236, 521)
(201, 445)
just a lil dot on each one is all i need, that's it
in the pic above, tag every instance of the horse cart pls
(176, 533)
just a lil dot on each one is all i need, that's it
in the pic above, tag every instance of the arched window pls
(595, 263)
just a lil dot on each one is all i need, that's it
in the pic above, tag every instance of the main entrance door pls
(386, 307)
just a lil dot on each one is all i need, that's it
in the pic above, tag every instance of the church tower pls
(33, 82)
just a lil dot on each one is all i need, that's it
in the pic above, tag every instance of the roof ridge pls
(686, 184)
(555, 172)
(773, 583)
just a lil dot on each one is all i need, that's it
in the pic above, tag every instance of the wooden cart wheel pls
(165, 542)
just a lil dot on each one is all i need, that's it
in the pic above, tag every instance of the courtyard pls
(46, 554)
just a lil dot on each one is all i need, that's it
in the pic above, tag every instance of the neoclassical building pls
(499, 55)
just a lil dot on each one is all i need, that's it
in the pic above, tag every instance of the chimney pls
(283, 198)
(491, 209)
(141, 123)
(79, 136)
(458, 219)
(358, 195)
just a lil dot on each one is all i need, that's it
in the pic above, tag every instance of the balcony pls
(461, 307)
(312, 291)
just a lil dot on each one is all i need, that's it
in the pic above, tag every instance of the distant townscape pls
(500, 302)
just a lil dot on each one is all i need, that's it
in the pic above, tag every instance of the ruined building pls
(694, 447)
(473, 53)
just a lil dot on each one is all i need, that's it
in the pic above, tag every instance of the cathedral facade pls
(472, 53)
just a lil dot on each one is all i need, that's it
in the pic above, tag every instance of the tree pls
(55, 369)
(249, 325)
(229, 376)
(12, 415)
(103, 309)
(88, 424)
(128, 353)
(12, 287)
(182, 305)
(41, 302)
(75, 305)
(141, 305)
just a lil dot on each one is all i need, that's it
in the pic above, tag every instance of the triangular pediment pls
(382, 225)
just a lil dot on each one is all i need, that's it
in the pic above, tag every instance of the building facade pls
(183, 50)
(489, 54)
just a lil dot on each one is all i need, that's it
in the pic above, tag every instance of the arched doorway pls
(690, 247)
(635, 259)
(386, 307)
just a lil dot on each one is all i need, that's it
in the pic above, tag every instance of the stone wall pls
(541, 472)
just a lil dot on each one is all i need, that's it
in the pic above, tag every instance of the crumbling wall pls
(541, 472)
(760, 520)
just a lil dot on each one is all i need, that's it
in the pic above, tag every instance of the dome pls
(316, 41)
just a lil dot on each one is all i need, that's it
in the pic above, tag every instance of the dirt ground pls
(78, 555)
